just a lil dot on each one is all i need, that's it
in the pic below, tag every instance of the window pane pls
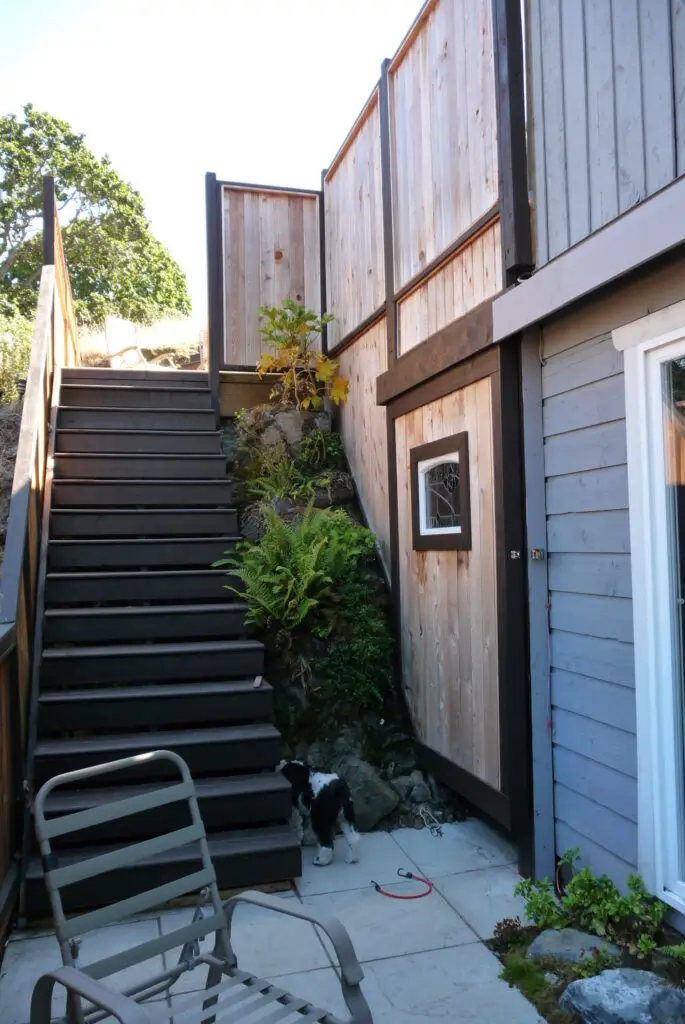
(674, 438)
(442, 496)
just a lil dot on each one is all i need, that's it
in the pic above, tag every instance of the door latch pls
(537, 554)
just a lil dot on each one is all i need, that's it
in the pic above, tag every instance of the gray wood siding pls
(592, 675)
(607, 106)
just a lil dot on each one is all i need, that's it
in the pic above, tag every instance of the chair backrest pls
(99, 864)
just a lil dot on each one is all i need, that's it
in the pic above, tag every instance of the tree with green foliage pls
(116, 264)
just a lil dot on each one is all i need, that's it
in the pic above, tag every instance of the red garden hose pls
(398, 896)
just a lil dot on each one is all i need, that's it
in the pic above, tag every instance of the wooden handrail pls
(54, 344)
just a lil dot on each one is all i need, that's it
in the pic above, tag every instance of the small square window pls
(440, 494)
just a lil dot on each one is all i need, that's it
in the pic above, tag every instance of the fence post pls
(215, 312)
(48, 220)
(322, 256)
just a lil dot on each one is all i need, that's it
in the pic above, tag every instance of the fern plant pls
(288, 577)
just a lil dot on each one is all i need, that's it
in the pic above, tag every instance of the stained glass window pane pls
(441, 484)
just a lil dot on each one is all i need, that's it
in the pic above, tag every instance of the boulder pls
(420, 794)
(373, 798)
(624, 996)
(567, 944)
(277, 426)
(403, 786)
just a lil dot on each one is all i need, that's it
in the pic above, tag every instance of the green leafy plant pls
(276, 476)
(632, 920)
(541, 904)
(674, 952)
(354, 669)
(599, 960)
(320, 450)
(16, 333)
(306, 375)
(506, 933)
(287, 578)
(531, 977)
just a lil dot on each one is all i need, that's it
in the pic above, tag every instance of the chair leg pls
(213, 978)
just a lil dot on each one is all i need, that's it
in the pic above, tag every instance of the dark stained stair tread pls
(231, 802)
(134, 552)
(216, 750)
(136, 492)
(142, 522)
(134, 395)
(121, 441)
(270, 853)
(111, 417)
(79, 588)
(149, 622)
(153, 705)
(139, 466)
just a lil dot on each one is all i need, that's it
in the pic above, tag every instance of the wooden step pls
(71, 667)
(142, 493)
(242, 858)
(134, 624)
(97, 418)
(225, 803)
(148, 378)
(114, 588)
(135, 396)
(165, 706)
(146, 522)
(109, 466)
(133, 553)
(207, 751)
(177, 442)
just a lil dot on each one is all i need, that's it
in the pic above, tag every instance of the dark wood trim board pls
(517, 247)
(451, 345)
(215, 289)
(512, 624)
(481, 365)
(479, 793)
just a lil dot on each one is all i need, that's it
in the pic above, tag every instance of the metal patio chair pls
(229, 994)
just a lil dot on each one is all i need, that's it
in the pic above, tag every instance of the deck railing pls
(55, 344)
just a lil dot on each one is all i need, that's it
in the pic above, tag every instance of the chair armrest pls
(123, 1009)
(336, 932)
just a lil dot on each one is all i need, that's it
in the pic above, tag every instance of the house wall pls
(607, 109)
(592, 678)
(448, 599)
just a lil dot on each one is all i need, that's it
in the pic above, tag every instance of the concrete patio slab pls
(379, 858)
(464, 846)
(459, 985)
(423, 959)
(264, 943)
(25, 961)
(382, 927)
(483, 898)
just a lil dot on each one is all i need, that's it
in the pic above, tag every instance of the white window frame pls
(422, 468)
(648, 344)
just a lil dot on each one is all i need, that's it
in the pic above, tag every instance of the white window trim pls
(646, 343)
(422, 468)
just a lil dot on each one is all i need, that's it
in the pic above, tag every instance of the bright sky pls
(255, 90)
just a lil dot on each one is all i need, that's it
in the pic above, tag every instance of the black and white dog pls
(327, 802)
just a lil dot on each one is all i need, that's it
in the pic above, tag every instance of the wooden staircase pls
(142, 646)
